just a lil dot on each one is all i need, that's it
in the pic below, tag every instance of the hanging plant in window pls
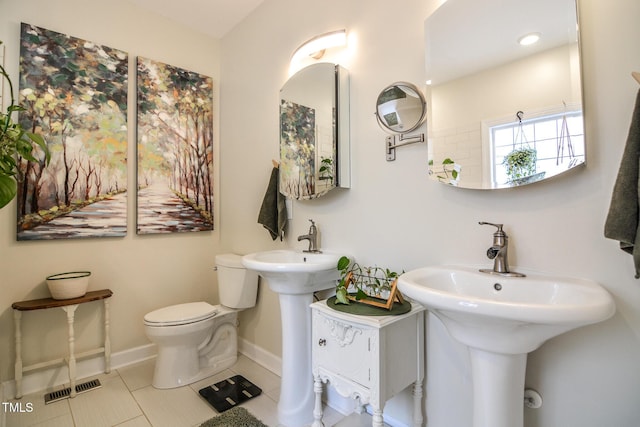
(521, 162)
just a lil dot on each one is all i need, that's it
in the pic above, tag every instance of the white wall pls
(144, 273)
(394, 216)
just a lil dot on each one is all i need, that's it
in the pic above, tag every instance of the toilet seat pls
(181, 314)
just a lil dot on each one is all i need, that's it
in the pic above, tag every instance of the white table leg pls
(417, 404)
(17, 315)
(70, 310)
(107, 341)
(378, 420)
(317, 410)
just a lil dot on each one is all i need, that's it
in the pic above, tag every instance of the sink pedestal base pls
(295, 408)
(498, 388)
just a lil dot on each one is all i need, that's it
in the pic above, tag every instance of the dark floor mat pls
(230, 392)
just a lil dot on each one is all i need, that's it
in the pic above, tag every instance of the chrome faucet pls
(498, 253)
(312, 237)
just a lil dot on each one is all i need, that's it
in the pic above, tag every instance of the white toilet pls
(196, 340)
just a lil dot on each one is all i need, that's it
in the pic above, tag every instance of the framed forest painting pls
(175, 149)
(75, 95)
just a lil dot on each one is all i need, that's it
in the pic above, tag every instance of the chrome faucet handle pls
(498, 226)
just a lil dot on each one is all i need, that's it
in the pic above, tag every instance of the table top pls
(374, 321)
(42, 303)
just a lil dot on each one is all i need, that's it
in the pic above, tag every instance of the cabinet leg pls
(378, 420)
(70, 310)
(17, 316)
(317, 410)
(417, 404)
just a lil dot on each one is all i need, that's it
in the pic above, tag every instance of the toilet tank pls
(237, 286)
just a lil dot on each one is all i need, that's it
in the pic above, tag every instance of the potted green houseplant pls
(15, 144)
(364, 282)
(521, 163)
(451, 171)
(326, 169)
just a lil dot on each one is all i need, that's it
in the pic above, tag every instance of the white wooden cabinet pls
(369, 358)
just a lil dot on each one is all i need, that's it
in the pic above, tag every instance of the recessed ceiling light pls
(529, 39)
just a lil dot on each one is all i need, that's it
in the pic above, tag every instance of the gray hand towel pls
(273, 212)
(622, 221)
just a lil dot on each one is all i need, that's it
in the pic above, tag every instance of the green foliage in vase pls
(326, 168)
(367, 281)
(448, 167)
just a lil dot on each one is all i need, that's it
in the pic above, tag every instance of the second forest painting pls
(75, 95)
(175, 149)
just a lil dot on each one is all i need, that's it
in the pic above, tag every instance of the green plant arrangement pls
(450, 169)
(326, 169)
(521, 163)
(366, 282)
(15, 144)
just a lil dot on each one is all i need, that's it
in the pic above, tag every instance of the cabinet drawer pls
(343, 348)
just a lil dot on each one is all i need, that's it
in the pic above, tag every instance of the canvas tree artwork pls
(175, 149)
(74, 93)
(297, 150)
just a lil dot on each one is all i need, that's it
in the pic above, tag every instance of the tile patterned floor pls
(127, 399)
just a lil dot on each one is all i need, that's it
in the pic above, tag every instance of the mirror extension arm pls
(391, 143)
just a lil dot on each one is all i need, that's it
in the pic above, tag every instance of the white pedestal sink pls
(501, 319)
(295, 276)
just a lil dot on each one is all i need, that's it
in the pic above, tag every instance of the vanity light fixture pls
(529, 39)
(316, 47)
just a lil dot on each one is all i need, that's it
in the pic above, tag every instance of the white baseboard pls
(260, 356)
(50, 378)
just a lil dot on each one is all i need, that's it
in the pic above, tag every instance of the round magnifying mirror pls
(401, 108)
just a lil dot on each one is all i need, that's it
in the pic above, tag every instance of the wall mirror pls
(400, 109)
(503, 114)
(314, 132)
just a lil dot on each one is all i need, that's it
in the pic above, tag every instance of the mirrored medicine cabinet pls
(502, 114)
(314, 132)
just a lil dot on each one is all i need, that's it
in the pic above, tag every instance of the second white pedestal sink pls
(295, 276)
(501, 319)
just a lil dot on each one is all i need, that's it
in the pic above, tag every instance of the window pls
(557, 138)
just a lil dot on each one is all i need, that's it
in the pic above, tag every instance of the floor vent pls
(54, 396)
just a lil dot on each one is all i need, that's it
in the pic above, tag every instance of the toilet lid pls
(181, 314)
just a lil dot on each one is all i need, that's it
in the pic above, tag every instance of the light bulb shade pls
(315, 46)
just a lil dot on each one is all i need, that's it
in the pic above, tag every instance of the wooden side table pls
(370, 358)
(69, 306)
